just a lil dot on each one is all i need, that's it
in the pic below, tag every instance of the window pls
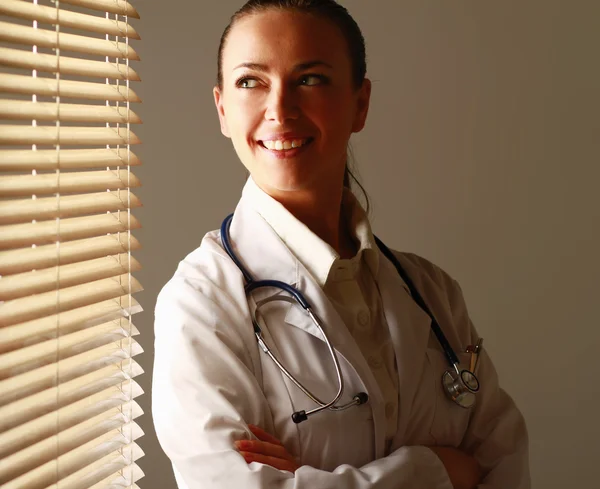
(67, 347)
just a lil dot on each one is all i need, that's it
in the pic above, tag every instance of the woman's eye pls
(247, 83)
(311, 80)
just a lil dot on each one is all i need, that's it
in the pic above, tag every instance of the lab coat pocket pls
(450, 421)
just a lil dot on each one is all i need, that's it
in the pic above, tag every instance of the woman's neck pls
(320, 211)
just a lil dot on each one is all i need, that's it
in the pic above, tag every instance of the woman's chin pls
(280, 180)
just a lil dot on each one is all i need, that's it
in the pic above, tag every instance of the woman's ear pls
(362, 106)
(221, 111)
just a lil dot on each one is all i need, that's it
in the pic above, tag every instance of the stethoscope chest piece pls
(461, 388)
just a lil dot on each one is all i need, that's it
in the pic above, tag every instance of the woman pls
(291, 90)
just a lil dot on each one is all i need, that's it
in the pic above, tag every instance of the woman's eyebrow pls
(299, 67)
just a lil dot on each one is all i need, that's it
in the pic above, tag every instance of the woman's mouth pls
(285, 148)
(284, 145)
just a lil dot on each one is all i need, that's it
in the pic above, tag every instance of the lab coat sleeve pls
(204, 393)
(496, 435)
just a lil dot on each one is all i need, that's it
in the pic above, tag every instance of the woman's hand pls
(464, 471)
(267, 450)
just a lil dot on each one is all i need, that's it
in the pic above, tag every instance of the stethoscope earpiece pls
(299, 416)
(361, 398)
(358, 399)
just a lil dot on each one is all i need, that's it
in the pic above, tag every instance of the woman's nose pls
(282, 105)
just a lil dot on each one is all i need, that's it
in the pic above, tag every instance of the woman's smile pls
(285, 148)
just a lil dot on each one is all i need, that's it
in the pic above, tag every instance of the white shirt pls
(348, 283)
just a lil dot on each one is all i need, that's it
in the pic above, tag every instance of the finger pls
(263, 435)
(274, 462)
(263, 448)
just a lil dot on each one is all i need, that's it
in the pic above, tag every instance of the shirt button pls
(389, 410)
(375, 362)
(363, 318)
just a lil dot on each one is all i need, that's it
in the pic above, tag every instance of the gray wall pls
(481, 153)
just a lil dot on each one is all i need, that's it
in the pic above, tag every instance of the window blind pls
(68, 405)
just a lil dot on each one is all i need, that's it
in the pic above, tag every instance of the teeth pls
(284, 145)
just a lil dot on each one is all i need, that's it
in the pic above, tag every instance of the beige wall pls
(481, 153)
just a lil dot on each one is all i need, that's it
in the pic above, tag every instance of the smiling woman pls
(289, 107)
(241, 371)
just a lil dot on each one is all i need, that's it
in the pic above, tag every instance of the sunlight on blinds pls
(68, 405)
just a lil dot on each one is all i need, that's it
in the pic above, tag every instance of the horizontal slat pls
(88, 476)
(46, 232)
(65, 159)
(103, 403)
(23, 134)
(51, 87)
(37, 442)
(50, 183)
(81, 461)
(115, 376)
(121, 479)
(40, 305)
(121, 459)
(121, 7)
(97, 471)
(20, 361)
(25, 259)
(30, 36)
(50, 15)
(17, 211)
(52, 111)
(63, 442)
(39, 379)
(28, 333)
(48, 279)
(20, 58)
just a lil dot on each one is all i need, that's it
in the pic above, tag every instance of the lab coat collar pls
(250, 236)
(316, 255)
(282, 265)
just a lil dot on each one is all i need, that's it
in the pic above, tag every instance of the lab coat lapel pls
(409, 330)
(259, 248)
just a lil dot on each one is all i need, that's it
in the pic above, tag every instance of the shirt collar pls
(314, 253)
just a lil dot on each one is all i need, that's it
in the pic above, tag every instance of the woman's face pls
(288, 101)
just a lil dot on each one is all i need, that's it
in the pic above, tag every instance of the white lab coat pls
(211, 379)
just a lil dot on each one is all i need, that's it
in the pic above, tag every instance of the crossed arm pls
(463, 470)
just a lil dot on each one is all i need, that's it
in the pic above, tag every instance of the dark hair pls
(328, 9)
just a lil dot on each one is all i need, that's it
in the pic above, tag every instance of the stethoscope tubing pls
(456, 387)
(316, 400)
(439, 334)
(252, 285)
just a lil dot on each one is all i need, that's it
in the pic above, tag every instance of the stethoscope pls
(459, 384)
